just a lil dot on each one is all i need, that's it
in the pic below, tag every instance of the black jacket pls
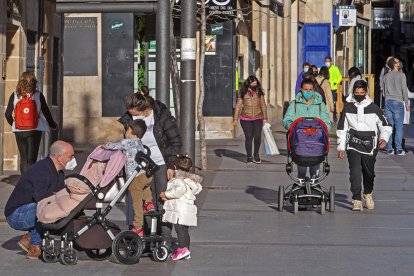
(39, 182)
(166, 132)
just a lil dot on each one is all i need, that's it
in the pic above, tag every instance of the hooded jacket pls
(362, 119)
(181, 192)
(335, 77)
(166, 132)
(298, 108)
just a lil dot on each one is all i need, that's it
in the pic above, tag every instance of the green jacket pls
(335, 77)
(298, 108)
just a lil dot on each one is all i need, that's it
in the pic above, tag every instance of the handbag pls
(269, 141)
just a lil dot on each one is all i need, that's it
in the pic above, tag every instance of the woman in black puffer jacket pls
(162, 137)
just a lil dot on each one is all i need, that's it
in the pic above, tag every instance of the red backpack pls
(25, 114)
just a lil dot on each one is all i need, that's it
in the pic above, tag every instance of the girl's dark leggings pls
(182, 235)
(252, 130)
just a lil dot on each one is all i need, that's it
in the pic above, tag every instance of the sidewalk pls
(241, 233)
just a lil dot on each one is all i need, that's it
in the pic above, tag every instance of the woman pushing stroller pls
(308, 104)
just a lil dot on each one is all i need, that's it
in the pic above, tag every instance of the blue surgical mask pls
(305, 69)
(307, 95)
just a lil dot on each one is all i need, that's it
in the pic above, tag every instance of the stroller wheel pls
(68, 257)
(161, 253)
(332, 199)
(49, 257)
(281, 199)
(99, 254)
(127, 247)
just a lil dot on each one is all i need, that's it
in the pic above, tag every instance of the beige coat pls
(250, 107)
(181, 192)
(59, 205)
(326, 87)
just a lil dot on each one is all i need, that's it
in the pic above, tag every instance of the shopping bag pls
(269, 140)
(406, 115)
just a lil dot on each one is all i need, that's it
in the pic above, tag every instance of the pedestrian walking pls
(305, 71)
(28, 114)
(308, 104)
(354, 74)
(252, 112)
(323, 81)
(335, 78)
(396, 100)
(361, 130)
(179, 206)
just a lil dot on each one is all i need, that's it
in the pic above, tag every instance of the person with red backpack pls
(28, 115)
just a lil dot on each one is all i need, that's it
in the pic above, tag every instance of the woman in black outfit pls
(28, 140)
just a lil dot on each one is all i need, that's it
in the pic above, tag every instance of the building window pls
(31, 51)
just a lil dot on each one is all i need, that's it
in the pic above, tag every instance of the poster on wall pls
(347, 16)
(210, 43)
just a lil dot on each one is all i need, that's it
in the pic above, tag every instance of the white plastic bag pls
(406, 115)
(270, 144)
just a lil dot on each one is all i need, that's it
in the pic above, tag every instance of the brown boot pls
(34, 252)
(24, 242)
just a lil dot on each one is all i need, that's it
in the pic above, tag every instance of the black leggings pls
(182, 235)
(28, 143)
(252, 129)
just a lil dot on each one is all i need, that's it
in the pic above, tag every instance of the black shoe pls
(249, 159)
(257, 160)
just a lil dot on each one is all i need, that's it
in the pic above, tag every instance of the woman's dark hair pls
(138, 127)
(313, 66)
(307, 81)
(306, 64)
(145, 90)
(360, 84)
(324, 71)
(246, 85)
(183, 162)
(139, 102)
(353, 72)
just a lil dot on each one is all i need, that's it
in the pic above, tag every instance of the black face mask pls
(359, 98)
(315, 73)
(254, 88)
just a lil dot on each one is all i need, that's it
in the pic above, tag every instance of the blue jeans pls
(394, 111)
(24, 219)
(313, 171)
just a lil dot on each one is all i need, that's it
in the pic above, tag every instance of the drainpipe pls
(44, 148)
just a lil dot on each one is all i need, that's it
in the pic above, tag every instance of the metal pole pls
(188, 75)
(163, 52)
(3, 8)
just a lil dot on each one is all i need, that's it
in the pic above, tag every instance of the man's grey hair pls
(57, 148)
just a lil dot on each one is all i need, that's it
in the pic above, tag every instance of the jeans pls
(24, 218)
(313, 171)
(28, 143)
(182, 235)
(394, 111)
(252, 130)
(361, 169)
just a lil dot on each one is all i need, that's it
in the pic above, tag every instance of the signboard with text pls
(216, 10)
(382, 18)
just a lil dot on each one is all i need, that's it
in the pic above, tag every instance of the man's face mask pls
(327, 64)
(359, 98)
(305, 69)
(307, 95)
(71, 165)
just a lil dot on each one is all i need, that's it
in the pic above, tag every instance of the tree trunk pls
(200, 117)
(175, 74)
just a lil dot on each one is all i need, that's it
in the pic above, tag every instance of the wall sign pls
(347, 16)
(382, 18)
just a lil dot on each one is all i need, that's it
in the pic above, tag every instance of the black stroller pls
(96, 235)
(307, 145)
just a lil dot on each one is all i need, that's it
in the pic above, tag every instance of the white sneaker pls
(369, 201)
(357, 205)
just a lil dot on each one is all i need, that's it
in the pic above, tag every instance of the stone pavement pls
(241, 233)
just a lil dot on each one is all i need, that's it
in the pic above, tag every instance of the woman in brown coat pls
(323, 81)
(251, 110)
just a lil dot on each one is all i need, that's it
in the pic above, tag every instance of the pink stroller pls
(67, 231)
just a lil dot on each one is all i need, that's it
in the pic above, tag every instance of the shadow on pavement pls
(230, 154)
(266, 195)
(11, 244)
(11, 179)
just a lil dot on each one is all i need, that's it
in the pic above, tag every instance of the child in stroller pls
(71, 229)
(308, 146)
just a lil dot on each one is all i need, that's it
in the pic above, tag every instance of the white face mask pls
(71, 165)
(327, 64)
(138, 117)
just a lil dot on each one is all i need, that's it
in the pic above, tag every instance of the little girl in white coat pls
(179, 204)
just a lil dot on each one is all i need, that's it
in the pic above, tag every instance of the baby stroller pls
(307, 145)
(96, 235)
